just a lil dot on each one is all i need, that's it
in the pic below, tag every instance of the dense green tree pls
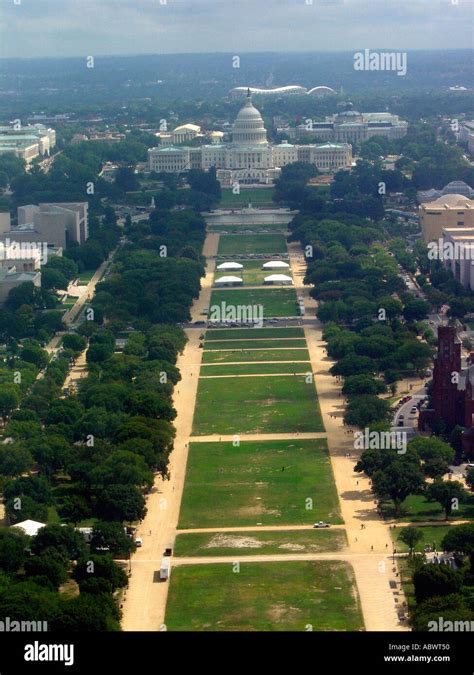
(121, 502)
(436, 580)
(63, 538)
(100, 566)
(366, 409)
(410, 536)
(448, 493)
(50, 565)
(74, 342)
(111, 535)
(14, 460)
(397, 481)
(9, 398)
(13, 544)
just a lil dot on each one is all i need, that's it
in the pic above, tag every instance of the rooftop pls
(450, 201)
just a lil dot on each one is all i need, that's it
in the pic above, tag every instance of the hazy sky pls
(100, 27)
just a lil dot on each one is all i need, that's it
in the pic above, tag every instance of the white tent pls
(228, 281)
(30, 527)
(280, 279)
(275, 265)
(230, 266)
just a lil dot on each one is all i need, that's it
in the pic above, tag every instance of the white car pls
(138, 542)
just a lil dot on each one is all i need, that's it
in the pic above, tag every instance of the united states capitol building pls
(249, 158)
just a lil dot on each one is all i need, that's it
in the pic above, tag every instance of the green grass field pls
(258, 482)
(252, 273)
(276, 596)
(265, 543)
(276, 302)
(252, 333)
(255, 196)
(250, 355)
(69, 302)
(85, 277)
(256, 368)
(256, 405)
(248, 228)
(417, 509)
(231, 244)
(255, 344)
(432, 534)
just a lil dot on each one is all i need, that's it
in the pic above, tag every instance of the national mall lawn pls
(280, 404)
(266, 596)
(258, 482)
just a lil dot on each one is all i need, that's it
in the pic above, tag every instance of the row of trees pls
(396, 475)
(157, 273)
(91, 456)
(371, 322)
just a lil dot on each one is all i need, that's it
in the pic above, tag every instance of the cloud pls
(77, 27)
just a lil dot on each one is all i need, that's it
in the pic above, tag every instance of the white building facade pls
(27, 142)
(249, 158)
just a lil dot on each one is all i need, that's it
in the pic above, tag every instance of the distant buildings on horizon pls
(288, 90)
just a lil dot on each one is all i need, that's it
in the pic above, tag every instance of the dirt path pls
(366, 532)
(352, 558)
(145, 600)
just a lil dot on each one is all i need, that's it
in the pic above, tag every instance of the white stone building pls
(249, 158)
(27, 142)
(349, 126)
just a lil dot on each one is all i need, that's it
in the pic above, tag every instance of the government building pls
(249, 158)
(350, 126)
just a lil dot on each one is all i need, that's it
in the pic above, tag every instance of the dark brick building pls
(452, 394)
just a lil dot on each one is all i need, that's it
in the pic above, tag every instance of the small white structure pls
(278, 280)
(229, 266)
(275, 265)
(30, 527)
(229, 281)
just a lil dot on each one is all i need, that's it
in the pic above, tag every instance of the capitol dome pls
(248, 128)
